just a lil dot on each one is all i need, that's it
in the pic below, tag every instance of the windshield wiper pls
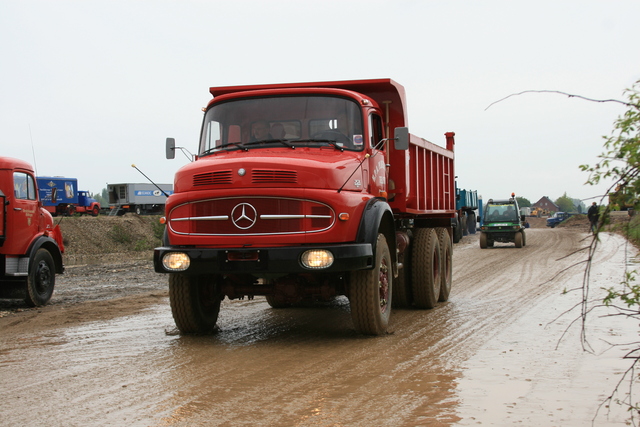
(228, 144)
(328, 141)
(267, 141)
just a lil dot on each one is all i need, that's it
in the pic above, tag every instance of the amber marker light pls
(344, 216)
(162, 220)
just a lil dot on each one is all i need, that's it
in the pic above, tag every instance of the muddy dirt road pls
(106, 352)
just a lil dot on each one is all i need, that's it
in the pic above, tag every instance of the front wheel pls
(41, 279)
(370, 293)
(483, 241)
(195, 302)
(518, 239)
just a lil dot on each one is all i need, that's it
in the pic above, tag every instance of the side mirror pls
(401, 137)
(171, 148)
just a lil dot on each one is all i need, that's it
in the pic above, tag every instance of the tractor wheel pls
(446, 250)
(518, 239)
(472, 223)
(483, 241)
(276, 302)
(371, 291)
(426, 271)
(41, 279)
(95, 211)
(195, 302)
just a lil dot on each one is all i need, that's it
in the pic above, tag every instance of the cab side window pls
(24, 187)
(375, 130)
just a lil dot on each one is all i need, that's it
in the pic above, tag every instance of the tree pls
(620, 163)
(523, 202)
(565, 203)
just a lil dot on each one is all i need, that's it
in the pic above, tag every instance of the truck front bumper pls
(350, 257)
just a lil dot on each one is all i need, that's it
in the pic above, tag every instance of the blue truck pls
(60, 196)
(467, 203)
(557, 218)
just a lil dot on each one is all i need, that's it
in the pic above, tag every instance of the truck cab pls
(502, 222)
(31, 246)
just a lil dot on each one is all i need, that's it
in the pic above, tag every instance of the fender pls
(50, 245)
(377, 217)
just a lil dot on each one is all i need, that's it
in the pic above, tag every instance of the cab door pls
(23, 220)
(378, 160)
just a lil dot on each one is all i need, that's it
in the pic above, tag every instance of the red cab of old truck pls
(31, 245)
(308, 191)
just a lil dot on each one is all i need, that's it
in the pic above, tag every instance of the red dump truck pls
(308, 191)
(31, 246)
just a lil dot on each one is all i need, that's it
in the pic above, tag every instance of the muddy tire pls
(276, 302)
(457, 231)
(472, 223)
(426, 260)
(402, 293)
(524, 238)
(483, 241)
(41, 279)
(195, 303)
(518, 239)
(446, 270)
(371, 291)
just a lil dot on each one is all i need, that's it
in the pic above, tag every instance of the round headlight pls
(317, 259)
(176, 261)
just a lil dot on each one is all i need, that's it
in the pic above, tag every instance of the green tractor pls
(502, 222)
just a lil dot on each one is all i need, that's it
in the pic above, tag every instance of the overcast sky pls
(91, 87)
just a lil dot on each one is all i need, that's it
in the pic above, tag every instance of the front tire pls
(371, 291)
(41, 279)
(518, 239)
(426, 268)
(195, 302)
(483, 241)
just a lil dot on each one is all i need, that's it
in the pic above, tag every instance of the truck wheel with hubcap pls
(446, 271)
(370, 293)
(518, 239)
(426, 268)
(195, 302)
(41, 279)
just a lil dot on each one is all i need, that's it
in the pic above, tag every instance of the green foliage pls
(119, 234)
(621, 160)
(523, 202)
(565, 203)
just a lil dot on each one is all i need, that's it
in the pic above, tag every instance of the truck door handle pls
(17, 209)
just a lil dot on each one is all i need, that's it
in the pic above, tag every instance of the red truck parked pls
(30, 245)
(300, 193)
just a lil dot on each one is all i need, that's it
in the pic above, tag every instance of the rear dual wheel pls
(446, 270)
(426, 268)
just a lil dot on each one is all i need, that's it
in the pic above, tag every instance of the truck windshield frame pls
(285, 121)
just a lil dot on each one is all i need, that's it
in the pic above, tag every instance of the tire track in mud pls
(297, 366)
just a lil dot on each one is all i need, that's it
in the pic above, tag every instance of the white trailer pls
(143, 199)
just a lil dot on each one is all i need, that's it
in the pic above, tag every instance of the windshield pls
(286, 120)
(501, 213)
